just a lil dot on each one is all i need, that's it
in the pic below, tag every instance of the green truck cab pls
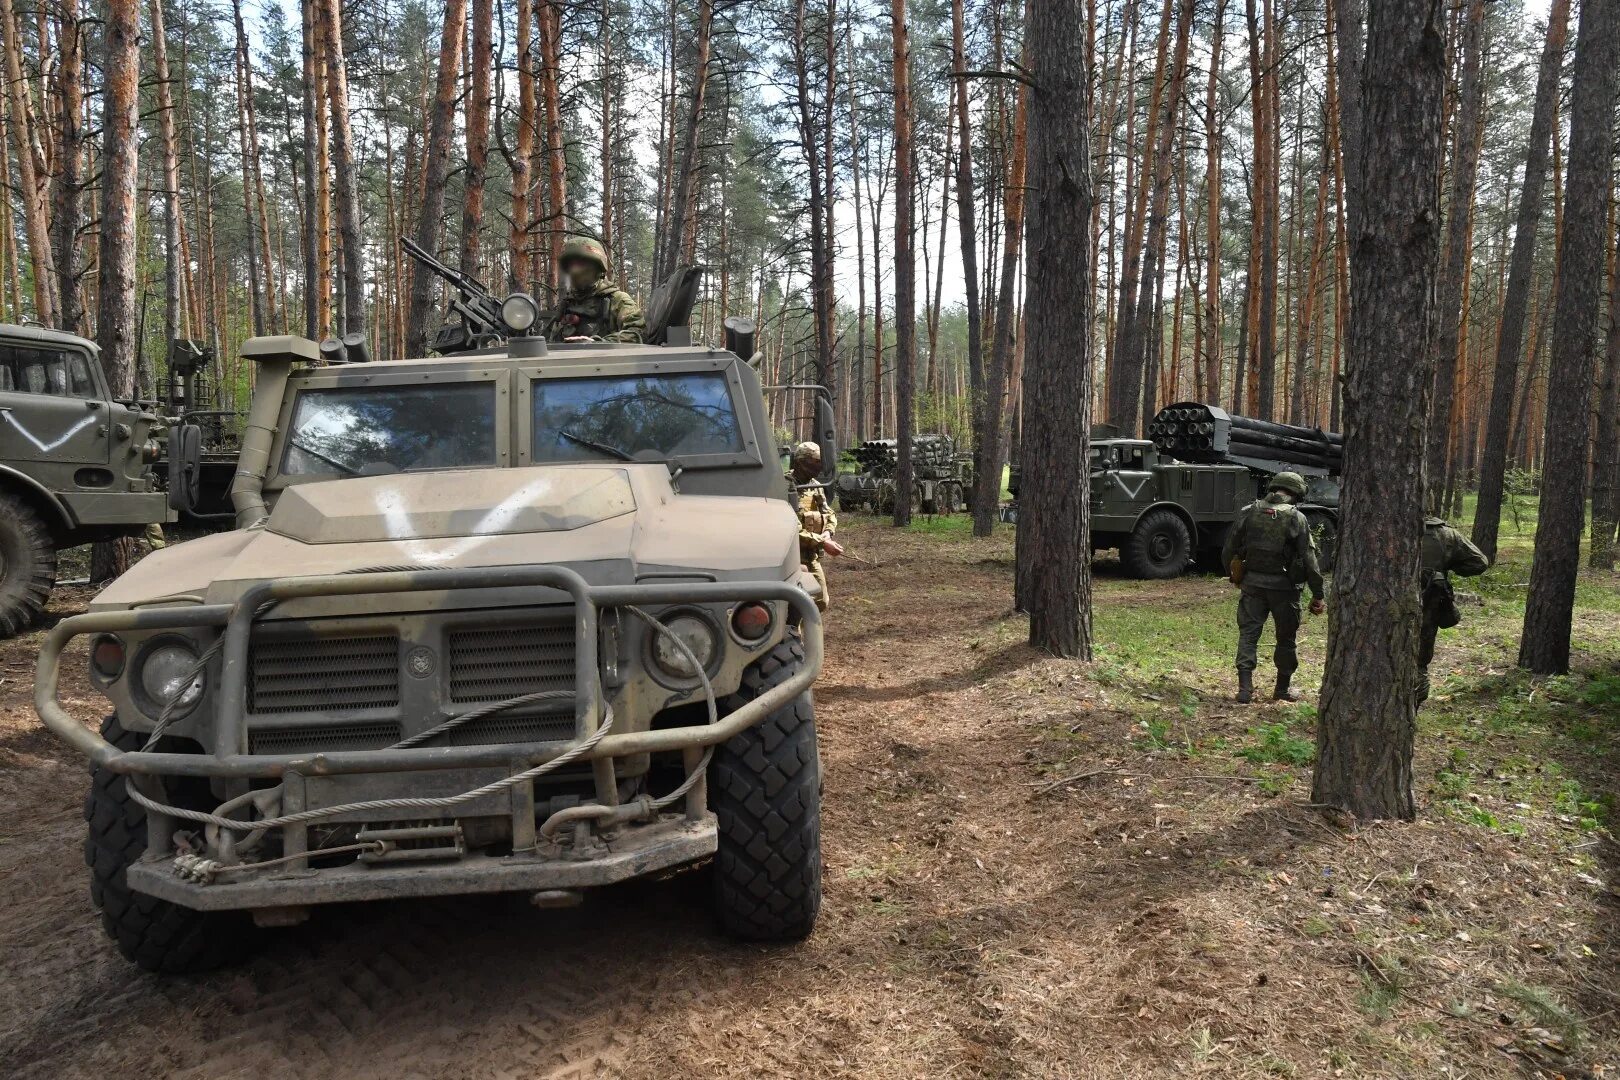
(76, 465)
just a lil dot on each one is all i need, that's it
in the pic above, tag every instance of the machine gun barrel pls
(480, 311)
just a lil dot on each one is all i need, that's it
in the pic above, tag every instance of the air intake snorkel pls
(275, 357)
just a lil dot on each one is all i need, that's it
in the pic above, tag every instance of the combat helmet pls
(804, 452)
(1291, 482)
(583, 248)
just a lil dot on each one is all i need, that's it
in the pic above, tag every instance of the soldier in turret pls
(594, 308)
(1445, 551)
(817, 522)
(1272, 558)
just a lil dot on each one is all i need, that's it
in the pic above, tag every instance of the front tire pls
(765, 788)
(27, 566)
(1159, 547)
(153, 934)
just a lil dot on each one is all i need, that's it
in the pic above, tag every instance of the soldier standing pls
(817, 522)
(1445, 552)
(1272, 557)
(595, 308)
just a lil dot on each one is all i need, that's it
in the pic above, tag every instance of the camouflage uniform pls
(605, 312)
(1445, 551)
(1279, 558)
(816, 519)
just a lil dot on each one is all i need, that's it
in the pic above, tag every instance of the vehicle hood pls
(613, 524)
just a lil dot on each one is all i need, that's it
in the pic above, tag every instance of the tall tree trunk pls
(1459, 227)
(992, 434)
(1265, 327)
(810, 132)
(1212, 187)
(986, 414)
(1349, 42)
(172, 299)
(1606, 447)
(549, 25)
(1550, 604)
(605, 44)
(115, 282)
(435, 171)
(66, 216)
(33, 172)
(259, 293)
(1516, 296)
(476, 173)
(519, 243)
(905, 269)
(313, 284)
(1368, 709)
(680, 206)
(344, 167)
(857, 379)
(1054, 565)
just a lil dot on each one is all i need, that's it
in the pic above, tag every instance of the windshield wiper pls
(349, 469)
(599, 447)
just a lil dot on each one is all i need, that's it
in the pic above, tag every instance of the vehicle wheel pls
(27, 566)
(765, 787)
(153, 934)
(1158, 547)
(1325, 531)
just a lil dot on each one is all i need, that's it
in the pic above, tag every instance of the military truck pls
(1167, 502)
(76, 466)
(515, 618)
(942, 477)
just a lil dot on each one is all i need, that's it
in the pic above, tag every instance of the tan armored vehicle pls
(518, 619)
(75, 465)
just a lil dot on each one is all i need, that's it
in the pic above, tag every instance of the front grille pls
(316, 673)
(319, 738)
(502, 728)
(503, 662)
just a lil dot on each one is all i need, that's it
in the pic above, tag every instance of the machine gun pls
(485, 321)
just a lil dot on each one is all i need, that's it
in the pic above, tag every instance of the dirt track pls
(1138, 925)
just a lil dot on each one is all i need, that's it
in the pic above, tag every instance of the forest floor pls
(1033, 868)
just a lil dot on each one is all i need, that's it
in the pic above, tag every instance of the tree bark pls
(115, 282)
(67, 194)
(810, 132)
(1212, 187)
(905, 270)
(1549, 606)
(172, 300)
(1516, 296)
(1054, 565)
(33, 172)
(983, 432)
(549, 25)
(1368, 711)
(1454, 276)
(313, 285)
(1606, 447)
(435, 171)
(344, 167)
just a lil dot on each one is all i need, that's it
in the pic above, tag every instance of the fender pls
(59, 517)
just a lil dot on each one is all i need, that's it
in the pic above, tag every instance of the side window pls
(56, 372)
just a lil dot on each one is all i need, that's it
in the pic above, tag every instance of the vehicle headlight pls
(166, 675)
(519, 312)
(697, 635)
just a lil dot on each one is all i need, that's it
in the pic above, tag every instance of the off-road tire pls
(153, 934)
(1159, 547)
(765, 788)
(27, 566)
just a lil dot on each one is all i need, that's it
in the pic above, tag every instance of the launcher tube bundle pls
(1208, 434)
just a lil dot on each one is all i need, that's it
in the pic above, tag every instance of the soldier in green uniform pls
(817, 522)
(1445, 551)
(594, 308)
(1273, 557)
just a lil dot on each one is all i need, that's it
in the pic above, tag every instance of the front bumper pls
(643, 848)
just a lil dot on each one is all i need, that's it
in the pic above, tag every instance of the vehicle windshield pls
(631, 417)
(367, 431)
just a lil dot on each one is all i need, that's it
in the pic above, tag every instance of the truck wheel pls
(765, 787)
(27, 566)
(153, 934)
(1158, 547)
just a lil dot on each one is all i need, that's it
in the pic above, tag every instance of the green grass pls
(1276, 745)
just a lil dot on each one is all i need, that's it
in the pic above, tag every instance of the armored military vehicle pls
(76, 466)
(1167, 501)
(515, 618)
(942, 477)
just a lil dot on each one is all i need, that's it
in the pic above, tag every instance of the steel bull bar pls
(229, 760)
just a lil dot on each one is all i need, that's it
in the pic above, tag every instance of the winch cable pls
(257, 828)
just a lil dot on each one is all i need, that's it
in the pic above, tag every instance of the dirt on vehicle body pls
(76, 465)
(514, 620)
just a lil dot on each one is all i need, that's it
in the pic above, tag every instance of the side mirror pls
(185, 467)
(826, 438)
